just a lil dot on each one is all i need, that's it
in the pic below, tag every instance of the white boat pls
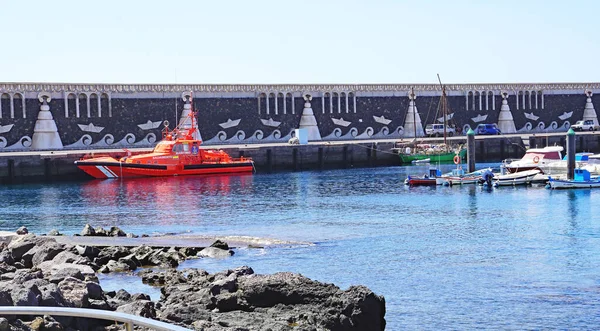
(582, 179)
(535, 158)
(459, 177)
(518, 178)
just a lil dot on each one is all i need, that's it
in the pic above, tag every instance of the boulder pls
(75, 292)
(87, 251)
(220, 244)
(54, 232)
(144, 308)
(58, 275)
(22, 231)
(214, 252)
(26, 295)
(88, 230)
(116, 232)
(5, 298)
(20, 245)
(40, 253)
(51, 296)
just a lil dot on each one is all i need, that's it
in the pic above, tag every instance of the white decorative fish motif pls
(340, 121)
(90, 128)
(6, 128)
(479, 118)
(149, 125)
(270, 122)
(381, 119)
(230, 123)
(531, 116)
(565, 115)
(448, 117)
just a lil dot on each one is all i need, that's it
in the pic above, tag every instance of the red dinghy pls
(178, 154)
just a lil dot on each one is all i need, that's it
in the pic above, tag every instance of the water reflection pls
(472, 191)
(162, 201)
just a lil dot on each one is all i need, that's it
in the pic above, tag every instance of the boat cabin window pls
(163, 147)
(181, 148)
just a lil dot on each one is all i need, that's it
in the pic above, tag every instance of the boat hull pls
(569, 184)
(104, 168)
(433, 158)
(518, 178)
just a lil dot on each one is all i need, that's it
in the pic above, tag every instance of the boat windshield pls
(164, 147)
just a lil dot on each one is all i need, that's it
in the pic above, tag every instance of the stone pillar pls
(308, 120)
(45, 133)
(570, 154)
(589, 113)
(185, 121)
(506, 123)
(412, 125)
(470, 150)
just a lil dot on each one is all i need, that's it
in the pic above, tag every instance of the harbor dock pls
(34, 166)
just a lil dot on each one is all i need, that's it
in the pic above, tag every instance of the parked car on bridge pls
(437, 130)
(483, 129)
(587, 125)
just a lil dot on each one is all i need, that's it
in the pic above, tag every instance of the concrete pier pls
(44, 166)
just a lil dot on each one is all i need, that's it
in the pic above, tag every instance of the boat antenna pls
(443, 108)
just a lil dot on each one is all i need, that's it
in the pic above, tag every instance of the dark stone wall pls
(127, 113)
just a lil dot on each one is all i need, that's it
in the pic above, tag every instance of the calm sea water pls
(443, 257)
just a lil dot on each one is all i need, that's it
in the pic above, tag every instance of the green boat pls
(433, 156)
(443, 153)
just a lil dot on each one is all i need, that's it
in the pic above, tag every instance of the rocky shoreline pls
(39, 271)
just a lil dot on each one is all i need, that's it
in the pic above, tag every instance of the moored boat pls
(518, 178)
(459, 177)
(178, 154)
(581, 179)
(535, 158)
(434, 153)
(433, 178)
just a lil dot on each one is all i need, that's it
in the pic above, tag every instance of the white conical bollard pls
(308, 120)
(185, 121)
(589, 113)
(45, 133)
(413, 120)
(506, 122)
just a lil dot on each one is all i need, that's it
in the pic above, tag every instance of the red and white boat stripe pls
(107, 172)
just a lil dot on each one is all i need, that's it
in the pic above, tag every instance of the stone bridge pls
(51, 116)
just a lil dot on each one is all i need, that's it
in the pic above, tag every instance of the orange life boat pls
(178, 154)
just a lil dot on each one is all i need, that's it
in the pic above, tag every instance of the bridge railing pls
(128, 319)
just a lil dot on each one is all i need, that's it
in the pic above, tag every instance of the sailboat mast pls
(443, 104)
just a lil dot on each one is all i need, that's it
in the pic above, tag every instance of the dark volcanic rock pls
(88, 230)
(22, 230)
(220, 244)
(240, 299)
(75, 292)
(214, 252)
(144, 308)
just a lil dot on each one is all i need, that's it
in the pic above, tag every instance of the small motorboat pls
(434, 178)
(459, 177)
(582, 179)
(535, 158)
(178, 154)
(518, 178)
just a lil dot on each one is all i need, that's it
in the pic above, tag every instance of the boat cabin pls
(550, 153)
(581, 175)
(177, 147)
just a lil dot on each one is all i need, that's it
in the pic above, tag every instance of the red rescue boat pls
(178, 154)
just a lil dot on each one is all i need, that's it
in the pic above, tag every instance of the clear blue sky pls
(245, 42)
